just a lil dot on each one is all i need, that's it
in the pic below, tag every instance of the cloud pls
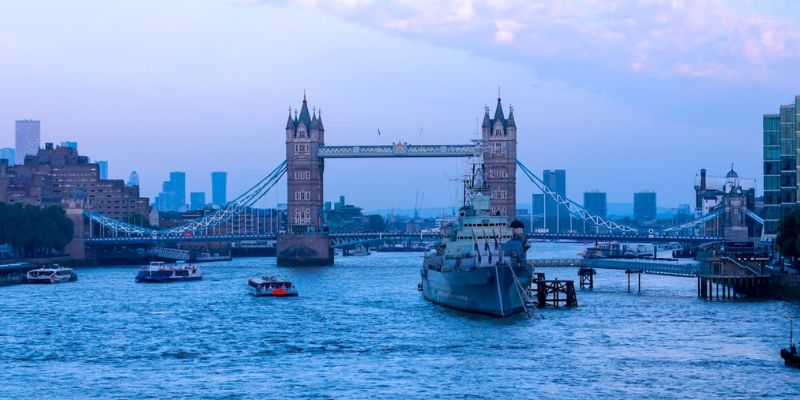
(505, 31)
(703, 39)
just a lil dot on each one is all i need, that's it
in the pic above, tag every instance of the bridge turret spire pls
(498, 112)
(290, 121)
(314, 120)
(305, 116)
(487, 121)
(511, 123)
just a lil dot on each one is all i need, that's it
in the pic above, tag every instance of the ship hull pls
(485, 290)
(48, 281)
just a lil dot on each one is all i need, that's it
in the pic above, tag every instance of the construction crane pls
(418, 204)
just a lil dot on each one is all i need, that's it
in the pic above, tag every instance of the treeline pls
(34, 231)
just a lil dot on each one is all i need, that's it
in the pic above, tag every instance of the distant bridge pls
(353, 238)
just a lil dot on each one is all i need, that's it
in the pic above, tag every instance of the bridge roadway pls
(347, 239)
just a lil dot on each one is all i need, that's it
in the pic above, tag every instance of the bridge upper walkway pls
(397, 150)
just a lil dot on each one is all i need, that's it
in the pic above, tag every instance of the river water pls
(360, 329)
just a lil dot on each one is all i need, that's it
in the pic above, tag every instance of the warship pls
(479, 265)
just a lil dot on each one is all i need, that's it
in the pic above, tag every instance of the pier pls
(720, 277)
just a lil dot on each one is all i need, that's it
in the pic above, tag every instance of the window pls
(302, 175)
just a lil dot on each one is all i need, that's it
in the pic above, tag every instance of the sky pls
(624, 95)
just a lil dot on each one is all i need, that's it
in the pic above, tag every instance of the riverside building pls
(780, 133)
(56, 175)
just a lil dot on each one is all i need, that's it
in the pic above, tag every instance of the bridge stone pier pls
(306, 240)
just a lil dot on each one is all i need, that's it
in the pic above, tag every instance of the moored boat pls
(479, 265)
(790, 356)
(272, 286)
(51, 274)
(159, 272)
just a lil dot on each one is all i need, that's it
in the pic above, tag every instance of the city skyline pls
(236, 121)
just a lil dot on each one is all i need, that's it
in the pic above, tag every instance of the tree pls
(376, 223)
(33, 231)
(788, 240)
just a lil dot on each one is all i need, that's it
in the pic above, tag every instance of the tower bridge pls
(306, 240)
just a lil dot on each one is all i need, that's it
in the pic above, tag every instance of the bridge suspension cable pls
(702, 220)
(573, 207)
(233, 208)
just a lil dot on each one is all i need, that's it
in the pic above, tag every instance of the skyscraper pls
(219, 183)
(556, 215)
(595, 203)
(133, 179)
(173, 193)
(178, 184)
(71, 145)
(27, 137)
(103, 165)
(197, 200)
(8, 154)
(644, 206)
(781, 188)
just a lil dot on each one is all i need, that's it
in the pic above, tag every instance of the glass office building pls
(772, 172)
(781, 132)
(219, 186)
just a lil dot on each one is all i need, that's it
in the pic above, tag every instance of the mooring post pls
(639, 289)
(629, 280)
(698, 286)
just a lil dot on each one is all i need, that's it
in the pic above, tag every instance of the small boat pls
(790, 356)
(51, 274)
(158, 272)
(270, 285)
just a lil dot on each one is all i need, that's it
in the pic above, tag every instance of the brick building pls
(55, 175)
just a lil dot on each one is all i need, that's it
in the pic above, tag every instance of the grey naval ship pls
(479, 265)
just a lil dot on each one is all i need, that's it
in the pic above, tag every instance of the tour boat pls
(51, 274)
(158, 272)
(270, 285)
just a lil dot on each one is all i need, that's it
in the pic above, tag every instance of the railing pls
(396, 150)
(657, 267)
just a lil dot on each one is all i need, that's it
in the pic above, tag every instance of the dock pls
(718, 277)
(671, 267)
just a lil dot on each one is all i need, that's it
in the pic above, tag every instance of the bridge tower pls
(500, 159)
(304, 242)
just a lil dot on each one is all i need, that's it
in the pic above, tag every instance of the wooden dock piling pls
(639, 273)
(587, 277)
(555, 293)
